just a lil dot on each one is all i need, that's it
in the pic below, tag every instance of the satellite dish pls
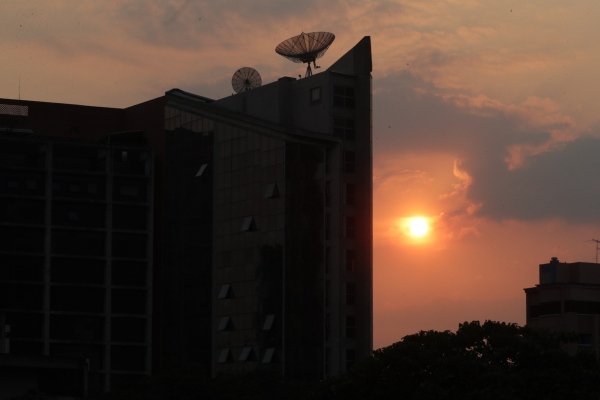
(306, 48)
(245, 78)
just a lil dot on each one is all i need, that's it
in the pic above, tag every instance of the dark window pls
(12, 184)
(350, 293)
(350, 326)
(350, 358)
(31, 184)
(344, 128)
(550, 308)
(350, 194)
(92, 188)
(315, 95)
(249, 225)
(350, 260)
(129, 191)
(350, 227)
(73, 188)
(585, 339)
(55, 186)
(343, 96)
(582, 307)
(350, 162)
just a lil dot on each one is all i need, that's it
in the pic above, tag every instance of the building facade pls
(232, 233)
(567, 299)
(76, 220)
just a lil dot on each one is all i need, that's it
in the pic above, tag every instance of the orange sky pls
(485, 121)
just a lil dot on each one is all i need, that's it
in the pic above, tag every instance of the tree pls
(495, 360)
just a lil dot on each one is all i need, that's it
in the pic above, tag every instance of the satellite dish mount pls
(306, 48)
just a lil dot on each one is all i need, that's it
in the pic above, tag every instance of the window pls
(350, 162)
(343, 96)
(350, 227)
(225, 291)
(124, 156)
(72, 216)
(350, 259)
(92, 188)
(350, 194)
(247, 354)
(225, 324)
(271, 192)
(315, 95)
(55, 186)
(129, 191)
(73, 188)
(350, 358)
(327, 160)
(268, 357)
(585, 339)
(344, 128)
(249, 224)
(269, 322)
(350, 293)
(224, 356)
(201, 170)
(12, 184)
(31, 184)
(350, 326)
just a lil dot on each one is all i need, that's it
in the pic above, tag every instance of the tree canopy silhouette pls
(494, 360)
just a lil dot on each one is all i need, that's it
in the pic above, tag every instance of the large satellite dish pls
(306, 48)
(245, 78)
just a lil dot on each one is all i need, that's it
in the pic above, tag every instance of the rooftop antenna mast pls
(597, 247)
(306, 48)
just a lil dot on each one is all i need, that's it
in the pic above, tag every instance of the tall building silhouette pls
(250, 218)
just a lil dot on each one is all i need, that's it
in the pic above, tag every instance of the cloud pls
(513, 161)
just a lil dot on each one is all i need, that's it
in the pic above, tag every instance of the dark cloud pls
(560, 182)
(563, 183)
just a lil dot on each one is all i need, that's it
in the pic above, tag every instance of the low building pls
(567, 299)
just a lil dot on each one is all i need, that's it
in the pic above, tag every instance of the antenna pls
(306, 48)
(245, 78)
(597, 247)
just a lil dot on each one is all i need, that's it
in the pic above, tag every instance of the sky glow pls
(485, 116)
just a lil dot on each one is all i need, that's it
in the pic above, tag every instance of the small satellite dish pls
(306, 48)
(245, 78)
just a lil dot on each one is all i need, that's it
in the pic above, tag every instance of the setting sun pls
(418, 226)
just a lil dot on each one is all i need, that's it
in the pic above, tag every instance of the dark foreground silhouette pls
(494, 360)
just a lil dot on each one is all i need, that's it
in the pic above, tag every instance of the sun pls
(418, 226)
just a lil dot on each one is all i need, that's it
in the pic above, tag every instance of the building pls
(76, 258)
(287, 169)
(250, 218)
(567, 299)
(76, 223)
